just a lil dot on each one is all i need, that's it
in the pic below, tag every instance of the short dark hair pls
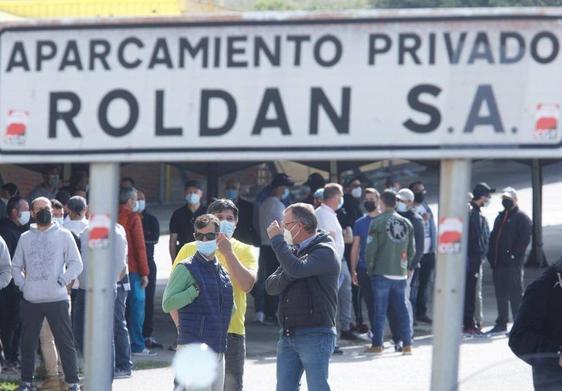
(413, 185)
(388, 197)
(56, 204)
(221, 205)
(11, 188)
(206, 219)
(125, 194)
(13, 203)
(62, 196)
(331, 190)
(193, 183)
(128, 179)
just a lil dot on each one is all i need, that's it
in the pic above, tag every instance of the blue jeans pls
(387, 292)
(121, 333)
(135, 320)
(308, 350)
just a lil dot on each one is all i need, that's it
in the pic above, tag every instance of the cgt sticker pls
(99, 231)
(16, 127)
(450, 234)
(547, 119)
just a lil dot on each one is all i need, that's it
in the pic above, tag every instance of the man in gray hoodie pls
(45, 263)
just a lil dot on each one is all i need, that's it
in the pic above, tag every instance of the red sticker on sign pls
(546, 121)
(16, 127)
(99, 231)
(450, 234)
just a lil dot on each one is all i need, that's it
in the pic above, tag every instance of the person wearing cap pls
(405, 208)
(508, 242)
(314, 182)
(181, 222)
(245, 231)
(270, 210)
(477, 248)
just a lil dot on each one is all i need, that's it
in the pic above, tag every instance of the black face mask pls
(43, 217)
(370, 206)
(507, 203)
(419, 197)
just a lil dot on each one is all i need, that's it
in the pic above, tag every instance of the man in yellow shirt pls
(241, 264)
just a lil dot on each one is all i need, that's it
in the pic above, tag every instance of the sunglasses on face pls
(204, 237)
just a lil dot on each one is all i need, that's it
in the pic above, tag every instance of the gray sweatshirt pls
(5, 265)
(45, 262)
(119, 260)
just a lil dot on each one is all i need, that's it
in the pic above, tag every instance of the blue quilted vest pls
(207, 318)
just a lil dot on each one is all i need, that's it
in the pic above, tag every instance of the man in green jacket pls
(389, 256)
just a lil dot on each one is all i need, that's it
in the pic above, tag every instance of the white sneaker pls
(145, 353)
(260, 317)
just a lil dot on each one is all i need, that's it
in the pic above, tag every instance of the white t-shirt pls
(75, 226)
(328, 221)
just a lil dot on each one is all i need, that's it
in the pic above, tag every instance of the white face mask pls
(24, 217)
(59, 221)
(288, 237)
(356, 192)
(401, 207)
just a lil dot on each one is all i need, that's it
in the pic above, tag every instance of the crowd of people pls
(320, 261)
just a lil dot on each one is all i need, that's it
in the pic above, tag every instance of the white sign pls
(277, 86)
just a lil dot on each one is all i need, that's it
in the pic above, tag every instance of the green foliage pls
(308, 5)
(462, 3)
(8, 386)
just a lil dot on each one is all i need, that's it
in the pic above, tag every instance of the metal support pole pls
(537, 257)
(450, 279)
(334, 172)
(98, 356)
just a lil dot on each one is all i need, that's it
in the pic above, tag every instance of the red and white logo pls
(450, 234)
(16, 127)
(99, 231)
(547, 119)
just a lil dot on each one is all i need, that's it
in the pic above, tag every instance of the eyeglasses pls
(204, 237)
(290, 223)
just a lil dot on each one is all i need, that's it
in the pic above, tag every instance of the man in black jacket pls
(508, 242)
(245, 231)
(11, 228)
(536, 336)
(307, 283)
(478, 236)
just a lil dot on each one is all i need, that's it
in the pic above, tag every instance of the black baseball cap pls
(193, 183)
(282, 180)
(482, 189)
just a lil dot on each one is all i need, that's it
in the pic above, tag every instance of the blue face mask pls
(192, 198)
(206, 248)
(227, 228)
(231, 194)
(286, 193)
(141, 205)
(340, 205)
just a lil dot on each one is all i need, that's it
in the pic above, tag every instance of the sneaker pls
(260, 317)
(151, 343)
(348, 335)
(498, 329)
(376, 350)
(144, 353)
(25, 387)
(337, 351)
(362, 328)
(74, 387)
(173, 347)
(398, 347)
(271, 321)
(51, 383)
(407, 350)
(121, 374)
(424, 319)
(474, 332)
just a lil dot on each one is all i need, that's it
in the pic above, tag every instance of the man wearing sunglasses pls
(307, 285)
(241, 264)
(201, 277)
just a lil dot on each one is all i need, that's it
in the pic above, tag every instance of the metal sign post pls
(450, 276)
(98, 339)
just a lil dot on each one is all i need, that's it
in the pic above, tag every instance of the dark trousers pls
(366, 291)
(121, 332)
(32, 316)
(470, 291)
(414, 288)
(10, 322)
(427, 267)
(234, 358)
(268, 263)
(148, 326)
(78, 318)
(508, 282)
